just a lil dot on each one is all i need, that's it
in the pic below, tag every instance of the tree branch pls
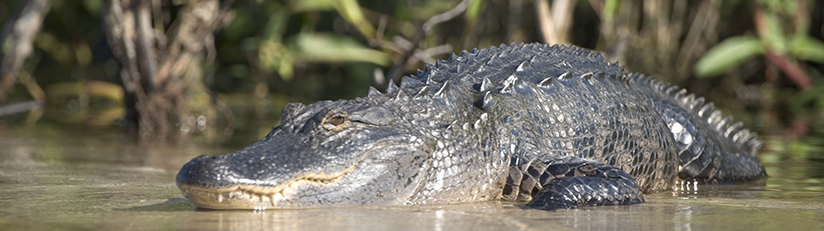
(25, 28)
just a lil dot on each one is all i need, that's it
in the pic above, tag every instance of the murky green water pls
(67, 179)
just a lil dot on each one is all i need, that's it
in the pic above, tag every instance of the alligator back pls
(549, 103)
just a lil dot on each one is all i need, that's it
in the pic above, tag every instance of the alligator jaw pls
(237, 197)
(250, 196)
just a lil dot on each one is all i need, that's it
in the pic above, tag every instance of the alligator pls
(552, 126)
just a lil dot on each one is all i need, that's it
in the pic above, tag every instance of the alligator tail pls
(711, 147)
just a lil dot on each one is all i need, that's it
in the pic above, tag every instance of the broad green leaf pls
(805, 48)
(728, 54)
(335, 48)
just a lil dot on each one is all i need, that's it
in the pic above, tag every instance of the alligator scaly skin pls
(553, 125)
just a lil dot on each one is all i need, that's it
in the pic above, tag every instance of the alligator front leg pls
(571, 182)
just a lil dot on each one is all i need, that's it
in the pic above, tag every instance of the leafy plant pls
(782, 48)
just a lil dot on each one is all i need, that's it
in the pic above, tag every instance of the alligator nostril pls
(197, 170)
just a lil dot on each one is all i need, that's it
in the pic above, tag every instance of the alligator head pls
(338, 153)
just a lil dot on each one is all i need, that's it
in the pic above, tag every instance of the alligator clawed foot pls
(599, 185)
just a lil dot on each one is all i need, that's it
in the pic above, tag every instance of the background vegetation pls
(172, 68)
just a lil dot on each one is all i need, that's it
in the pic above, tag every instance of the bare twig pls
(427, 55)
(562, 16)
(398, 69)
(145, 44)
(693, 45)
(380, 32)
(21, 37)
(161, 74)
(118, 33)
(791, 68)
(556, 21)
(446, 16)
(545, 21)
(11, 109)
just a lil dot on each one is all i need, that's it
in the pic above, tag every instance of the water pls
(80, 179)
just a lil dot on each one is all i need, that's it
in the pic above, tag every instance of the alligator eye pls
(335, 122)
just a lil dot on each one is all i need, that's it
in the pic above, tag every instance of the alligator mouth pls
(248, 195)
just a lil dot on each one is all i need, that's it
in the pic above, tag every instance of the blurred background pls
(217, 73)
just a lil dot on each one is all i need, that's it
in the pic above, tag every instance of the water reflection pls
(683, 217)
(473, 216)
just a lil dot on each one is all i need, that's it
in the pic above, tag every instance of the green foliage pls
(351, 11)
(276, 55)
(728, 54)
(474, 11)
(806, 48)
(797, 150)
(771, 19)
(610, 9)
(334, 48)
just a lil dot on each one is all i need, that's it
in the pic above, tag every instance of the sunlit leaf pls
(351, 11)
(335, 48)
(311, 5)
(610, 8)
(728, 54)
(805, 48)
